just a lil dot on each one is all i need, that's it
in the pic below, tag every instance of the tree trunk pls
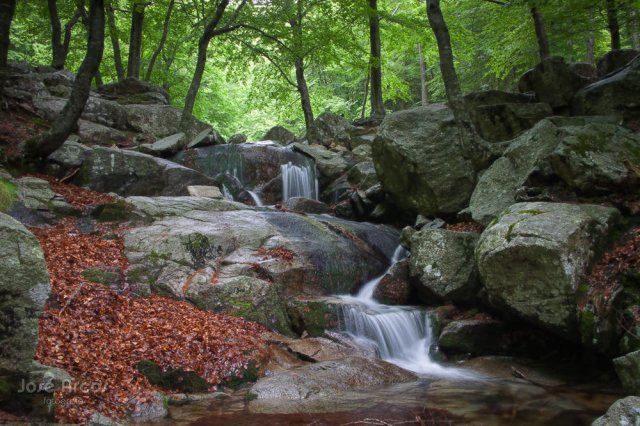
(591, 50)
(163, 39)
(447, 67)
(612, 21)
(424, 90)
(366, 94)
(190, 100)
(305, 99)
(541, 34)
(7, 9)
(377, 104)
(135, 41)
(115, 41)
(42, 146)
(634, 30)
(60, 41)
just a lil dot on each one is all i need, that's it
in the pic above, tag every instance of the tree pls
(375, 65)
(163, 39)
(541, 33)
(7, 10)
(212, 29)
(424, 90)
(135, 40)
(43, 145)
(60, 40)
(612, 21)
(115, 41)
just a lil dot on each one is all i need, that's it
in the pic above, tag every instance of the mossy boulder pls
(312, 316)
(628, 371)
(172, 378)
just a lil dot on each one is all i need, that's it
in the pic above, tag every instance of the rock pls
(98, 419)
(330, 129)
(554, 82)
(501, 116)
(624, 411)
(133, 173)
(164, 147)
(585, 69)
(205, 191)
(628, 371)
(154, 409)
(59, 78)
(364, 151)
(160, 120)
(207, 137)
(590, 156)
(330, 164)
(325, 378)
(423, 160)
(94, 133)
(23, 87)
(615, 95)
(306, 205)
(363, 175)
(312, 316)
(24, 284)
(35, 203)
(105, 112)
(172, 378)
(111, 277)
(70, 155)
(394, 288)
(442, 262)
(614, 60)
(533, 258)
(175, 206)
(280, 135)
(473, 336)
(134, 91)
(238, 138)
(315, 349)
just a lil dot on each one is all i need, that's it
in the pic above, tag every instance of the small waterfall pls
(226, 194)
(401, 335)
(299, 181)
(256, 199)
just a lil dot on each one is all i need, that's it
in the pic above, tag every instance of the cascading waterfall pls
(401, 335)
(256, 199)
(299, 181)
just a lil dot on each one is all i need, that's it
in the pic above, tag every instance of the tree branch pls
(271, 60)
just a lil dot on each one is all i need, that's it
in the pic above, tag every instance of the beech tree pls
(375, 65)
(7, 10)
(163, 40)
(60, 40)
(135, 39)
(115, 41)
(43, 145)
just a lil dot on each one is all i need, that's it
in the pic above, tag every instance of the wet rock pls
(176, 206)
(331, 165)
(534, 257)
(624, 411)
(315, 349)
(424, 160)
(325, 378)
(306, 205)
(628, 370)
(473, 336)
(394, 288)
(614, 60)
(312, 316)
(442, 262)
(279, 134)
(363, 175)
(330, 129)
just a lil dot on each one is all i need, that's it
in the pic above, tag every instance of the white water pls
(402, 335)
(299, 181)
(226, 194)
(256, 199)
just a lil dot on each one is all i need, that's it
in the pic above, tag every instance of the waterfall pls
(401, 335)
(299, 181)
(256, 199)
(226, 194)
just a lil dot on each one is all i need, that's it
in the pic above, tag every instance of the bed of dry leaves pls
(470, 226)
(98, 335)
(78, 197)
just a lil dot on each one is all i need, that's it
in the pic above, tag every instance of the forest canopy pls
(251, 80)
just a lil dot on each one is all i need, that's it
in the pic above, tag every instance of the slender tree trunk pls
(305, 99)
(424, 90)
(541, 34)
(377, 104)
(366, 94)
(634, 29)
(7, 9)
(591, 50)
(612, 21)
(163, 39)
(42, 146)
(194, 87)
(60, 40)
(447, 67)
(115, 41)
(135, 42)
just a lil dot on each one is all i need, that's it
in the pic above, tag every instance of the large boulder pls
(175, 206)
(330, 129)
(442, 263)
(501, 116)
(554, 82)
(532, 259)
(160, 120)
(134, 91)
(614, 60)
(279, 134)
(330, 164)
(133, 173)
(628, 371)
(24, 285)
(473, 336)
(425, 161)
(617, 95)
(97, 134)
(324, 379)
(164, 147)
(591, 157)
(624, 411)
(394, 287)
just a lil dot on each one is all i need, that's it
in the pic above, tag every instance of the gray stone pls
(425, 161)
(25, 87)
(98, 134)
(164, 147)
(623, 412)
(24, 285)
(306, 205)
(532, 259)
(98, 419)
(331, 165)
(175, 206)
(207, 137)
(105, 112)
(58, 78)
(316, 349)
(48, 378)
(363, 175)
(160, 120)
(326, 378)
(443, 264)
(364, 151)
(70, 155)
(237, 138)
(205, 191)
(628, 371)
(153, 409)
(134, 91)
(614, 60)
(280, 135)
(330, 129)
(474, 336)
(394, 288)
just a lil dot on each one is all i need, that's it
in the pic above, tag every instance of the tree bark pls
(634, 29)
(163, 39)
(42, 146)
(612, 22)
(7, 9)
(447, 67)
(303, 90)
(591, 50)
(135, 41)
(60, 41)
(377, 104)
(115, 41)
(541, 34)
(366, 94)
(424, 90)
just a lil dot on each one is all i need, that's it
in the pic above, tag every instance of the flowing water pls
(256, 199)
(299, 181)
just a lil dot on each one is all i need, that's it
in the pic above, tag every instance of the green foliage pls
(8, 194)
